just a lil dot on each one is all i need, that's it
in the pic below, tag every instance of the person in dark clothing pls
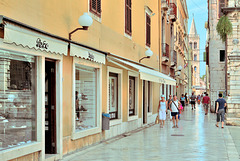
(221, 104)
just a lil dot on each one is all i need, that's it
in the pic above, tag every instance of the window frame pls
(80, 134)
(128, 17)
(148, 29)
(136, 76)
(220, 56)
(95, 12)
(20, 151)
(120, 86)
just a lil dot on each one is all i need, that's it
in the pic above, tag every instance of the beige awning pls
(88, 54)
(33, 40)
(147, 73)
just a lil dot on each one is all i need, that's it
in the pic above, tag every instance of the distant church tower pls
(194, 41)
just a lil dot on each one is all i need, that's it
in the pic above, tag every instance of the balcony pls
(173, 13)
(165, 52)
(174, 59)
(165, 5)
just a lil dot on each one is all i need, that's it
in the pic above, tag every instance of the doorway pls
(50, 106)
(145, 104)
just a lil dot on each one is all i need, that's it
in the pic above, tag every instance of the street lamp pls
(85, 21)
(148, 54)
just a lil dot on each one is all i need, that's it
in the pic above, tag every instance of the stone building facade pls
(216, 53)
(232, 10)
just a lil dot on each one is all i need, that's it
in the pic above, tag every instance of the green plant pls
(224, 27)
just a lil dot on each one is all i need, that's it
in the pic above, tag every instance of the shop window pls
(132, 96)
(149, 96)
(222, 55)
(85, 97)
(17, 99)
(163, 89)
(113, 95)
(95, 7)
(128, 17)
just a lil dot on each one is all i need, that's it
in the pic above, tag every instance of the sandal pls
(173, 126)
(176, 126)
(216, 125)
(222, 127)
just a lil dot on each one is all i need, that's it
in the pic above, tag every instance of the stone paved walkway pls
(198, 139)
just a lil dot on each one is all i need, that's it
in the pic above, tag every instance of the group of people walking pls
(175, 107)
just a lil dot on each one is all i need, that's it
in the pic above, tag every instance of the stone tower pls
(194, 45)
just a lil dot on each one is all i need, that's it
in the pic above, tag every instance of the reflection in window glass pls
(17, 99)
(85, 98)
(113, 95)
(132, 96)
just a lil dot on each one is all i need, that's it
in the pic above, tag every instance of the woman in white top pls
(162, 109)
(174, 104)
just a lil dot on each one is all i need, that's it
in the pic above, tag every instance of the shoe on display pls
(84, 97)
(83, 109)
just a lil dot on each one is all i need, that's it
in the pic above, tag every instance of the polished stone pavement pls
(197, 139)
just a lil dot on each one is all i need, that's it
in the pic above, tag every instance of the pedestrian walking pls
(169, 100)
(206, 102)
(193, 100)
(174, 104)
(183, 101)
(186, 98)
(220, 111)
(162, 109)
(199, 99)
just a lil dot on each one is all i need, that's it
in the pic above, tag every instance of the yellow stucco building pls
(55, 87)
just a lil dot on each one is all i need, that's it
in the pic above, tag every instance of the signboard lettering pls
(41, 44)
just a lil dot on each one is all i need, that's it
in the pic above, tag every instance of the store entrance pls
(50, 107)
(144, 103)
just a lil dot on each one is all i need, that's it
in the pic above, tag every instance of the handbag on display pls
(157, 120)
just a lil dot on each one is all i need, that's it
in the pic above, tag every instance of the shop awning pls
(147, 73)
(33, 40)
(88, 54)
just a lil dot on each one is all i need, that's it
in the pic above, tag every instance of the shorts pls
(205, 105)
(162, 115)
(193, 103)
(174, 113)
(183, 103)
(220, 114)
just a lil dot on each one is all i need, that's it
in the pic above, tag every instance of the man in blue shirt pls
(221, 104)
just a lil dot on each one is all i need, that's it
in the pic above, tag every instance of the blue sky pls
(199, 9)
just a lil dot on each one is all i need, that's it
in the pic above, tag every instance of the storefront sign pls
(41, 44)
(88, 54)
(33, 40)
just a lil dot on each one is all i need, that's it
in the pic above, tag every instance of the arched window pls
(195, 45)
(190, 44)
(195, 57)
(195, 68)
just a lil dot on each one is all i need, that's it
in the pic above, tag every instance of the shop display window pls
(113, 95)
(17, 99)
(85, 97)
(132, 96)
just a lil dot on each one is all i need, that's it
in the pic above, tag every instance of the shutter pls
(128, 17)
(148, 30)
(93, 5)
(99, 7)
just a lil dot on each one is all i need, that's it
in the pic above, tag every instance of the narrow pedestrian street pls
(197, 138)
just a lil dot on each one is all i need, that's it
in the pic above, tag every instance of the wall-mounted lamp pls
(148, 54)
(85, 21)
(178, 71)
